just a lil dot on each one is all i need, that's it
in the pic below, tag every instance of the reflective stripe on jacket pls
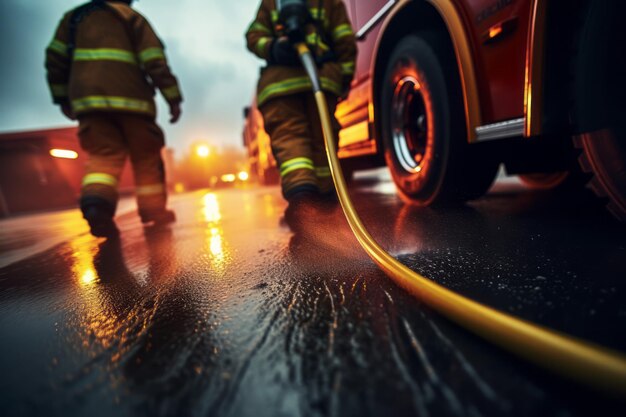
(331, 33)
(115, 55)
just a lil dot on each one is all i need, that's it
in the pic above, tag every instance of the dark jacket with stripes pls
(117, 62)
(331, 31)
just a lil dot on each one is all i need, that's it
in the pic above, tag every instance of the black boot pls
(329, 201)
(158, 218)
(100, 219)
(303, 207)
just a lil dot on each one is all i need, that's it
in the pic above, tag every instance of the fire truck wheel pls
(423, 127)
(599, 96)
(604, 156)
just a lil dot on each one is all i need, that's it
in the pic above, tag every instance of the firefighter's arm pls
(58, 64)
(151, 52)
(344, 42)
(260, 34)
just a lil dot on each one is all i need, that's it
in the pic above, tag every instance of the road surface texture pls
(228, 313)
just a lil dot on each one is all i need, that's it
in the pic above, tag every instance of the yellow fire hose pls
(585, 362)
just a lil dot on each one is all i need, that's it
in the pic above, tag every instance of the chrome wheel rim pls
(409, 125)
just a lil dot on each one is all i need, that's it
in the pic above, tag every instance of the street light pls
(64, 153)
(203, 151)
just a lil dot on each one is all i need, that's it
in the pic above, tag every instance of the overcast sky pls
(205, 47)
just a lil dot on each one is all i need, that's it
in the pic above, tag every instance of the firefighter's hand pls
(67, 111)
(175, 112)
(283, 53)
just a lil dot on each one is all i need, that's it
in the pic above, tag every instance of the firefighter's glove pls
(283, 53)
(175, 112)
(66, 109)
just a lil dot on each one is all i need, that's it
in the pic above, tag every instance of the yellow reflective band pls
(342, 31)
(259, 27)
(295, 164)
(296, 84)
(100, 178)
(58, 47)
(116, 103)
(330, 85)
(283, 87)
(150, 189)
(347, 68)
(171, 93)
(260, 45)
(151, 54)
(274, 14)
(59, 90)
(105, 54)
(319, 14)
(322, 172)
(314, 40)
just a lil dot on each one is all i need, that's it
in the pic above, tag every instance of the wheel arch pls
(440, 16)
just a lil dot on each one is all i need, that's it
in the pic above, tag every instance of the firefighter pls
(102, 67)
(285, 100)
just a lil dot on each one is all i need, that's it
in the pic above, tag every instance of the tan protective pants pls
(108, 139)
(293, 125)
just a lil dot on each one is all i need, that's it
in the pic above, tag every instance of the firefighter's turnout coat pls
(284, 93)
(332, 32)
(115, 49)
(108, 73)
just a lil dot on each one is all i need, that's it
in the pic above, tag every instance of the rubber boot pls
(303, 207)
(158, 218)
(99, 215)
(329, 201)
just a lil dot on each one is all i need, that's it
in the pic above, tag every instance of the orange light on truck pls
(63, 153)
(495, 31)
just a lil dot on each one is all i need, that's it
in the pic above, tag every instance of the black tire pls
(599, 97)
(423, 126)
(604, 156)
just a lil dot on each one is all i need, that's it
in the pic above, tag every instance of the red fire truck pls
(447, 90)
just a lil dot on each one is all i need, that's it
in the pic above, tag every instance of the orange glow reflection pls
(211, 209)
(83, 250)
(215, 245)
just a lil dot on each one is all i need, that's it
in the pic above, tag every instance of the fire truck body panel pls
(490, 39)
(524, 75)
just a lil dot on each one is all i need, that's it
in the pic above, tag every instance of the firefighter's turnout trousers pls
(109, 139)
(297, 140)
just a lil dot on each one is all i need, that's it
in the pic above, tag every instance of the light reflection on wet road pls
(229, 314)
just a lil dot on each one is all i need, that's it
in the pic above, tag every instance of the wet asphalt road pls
(227, 313)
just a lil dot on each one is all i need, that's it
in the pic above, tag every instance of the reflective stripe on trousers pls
(147, 190)
(100, 178)
(297, 142)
